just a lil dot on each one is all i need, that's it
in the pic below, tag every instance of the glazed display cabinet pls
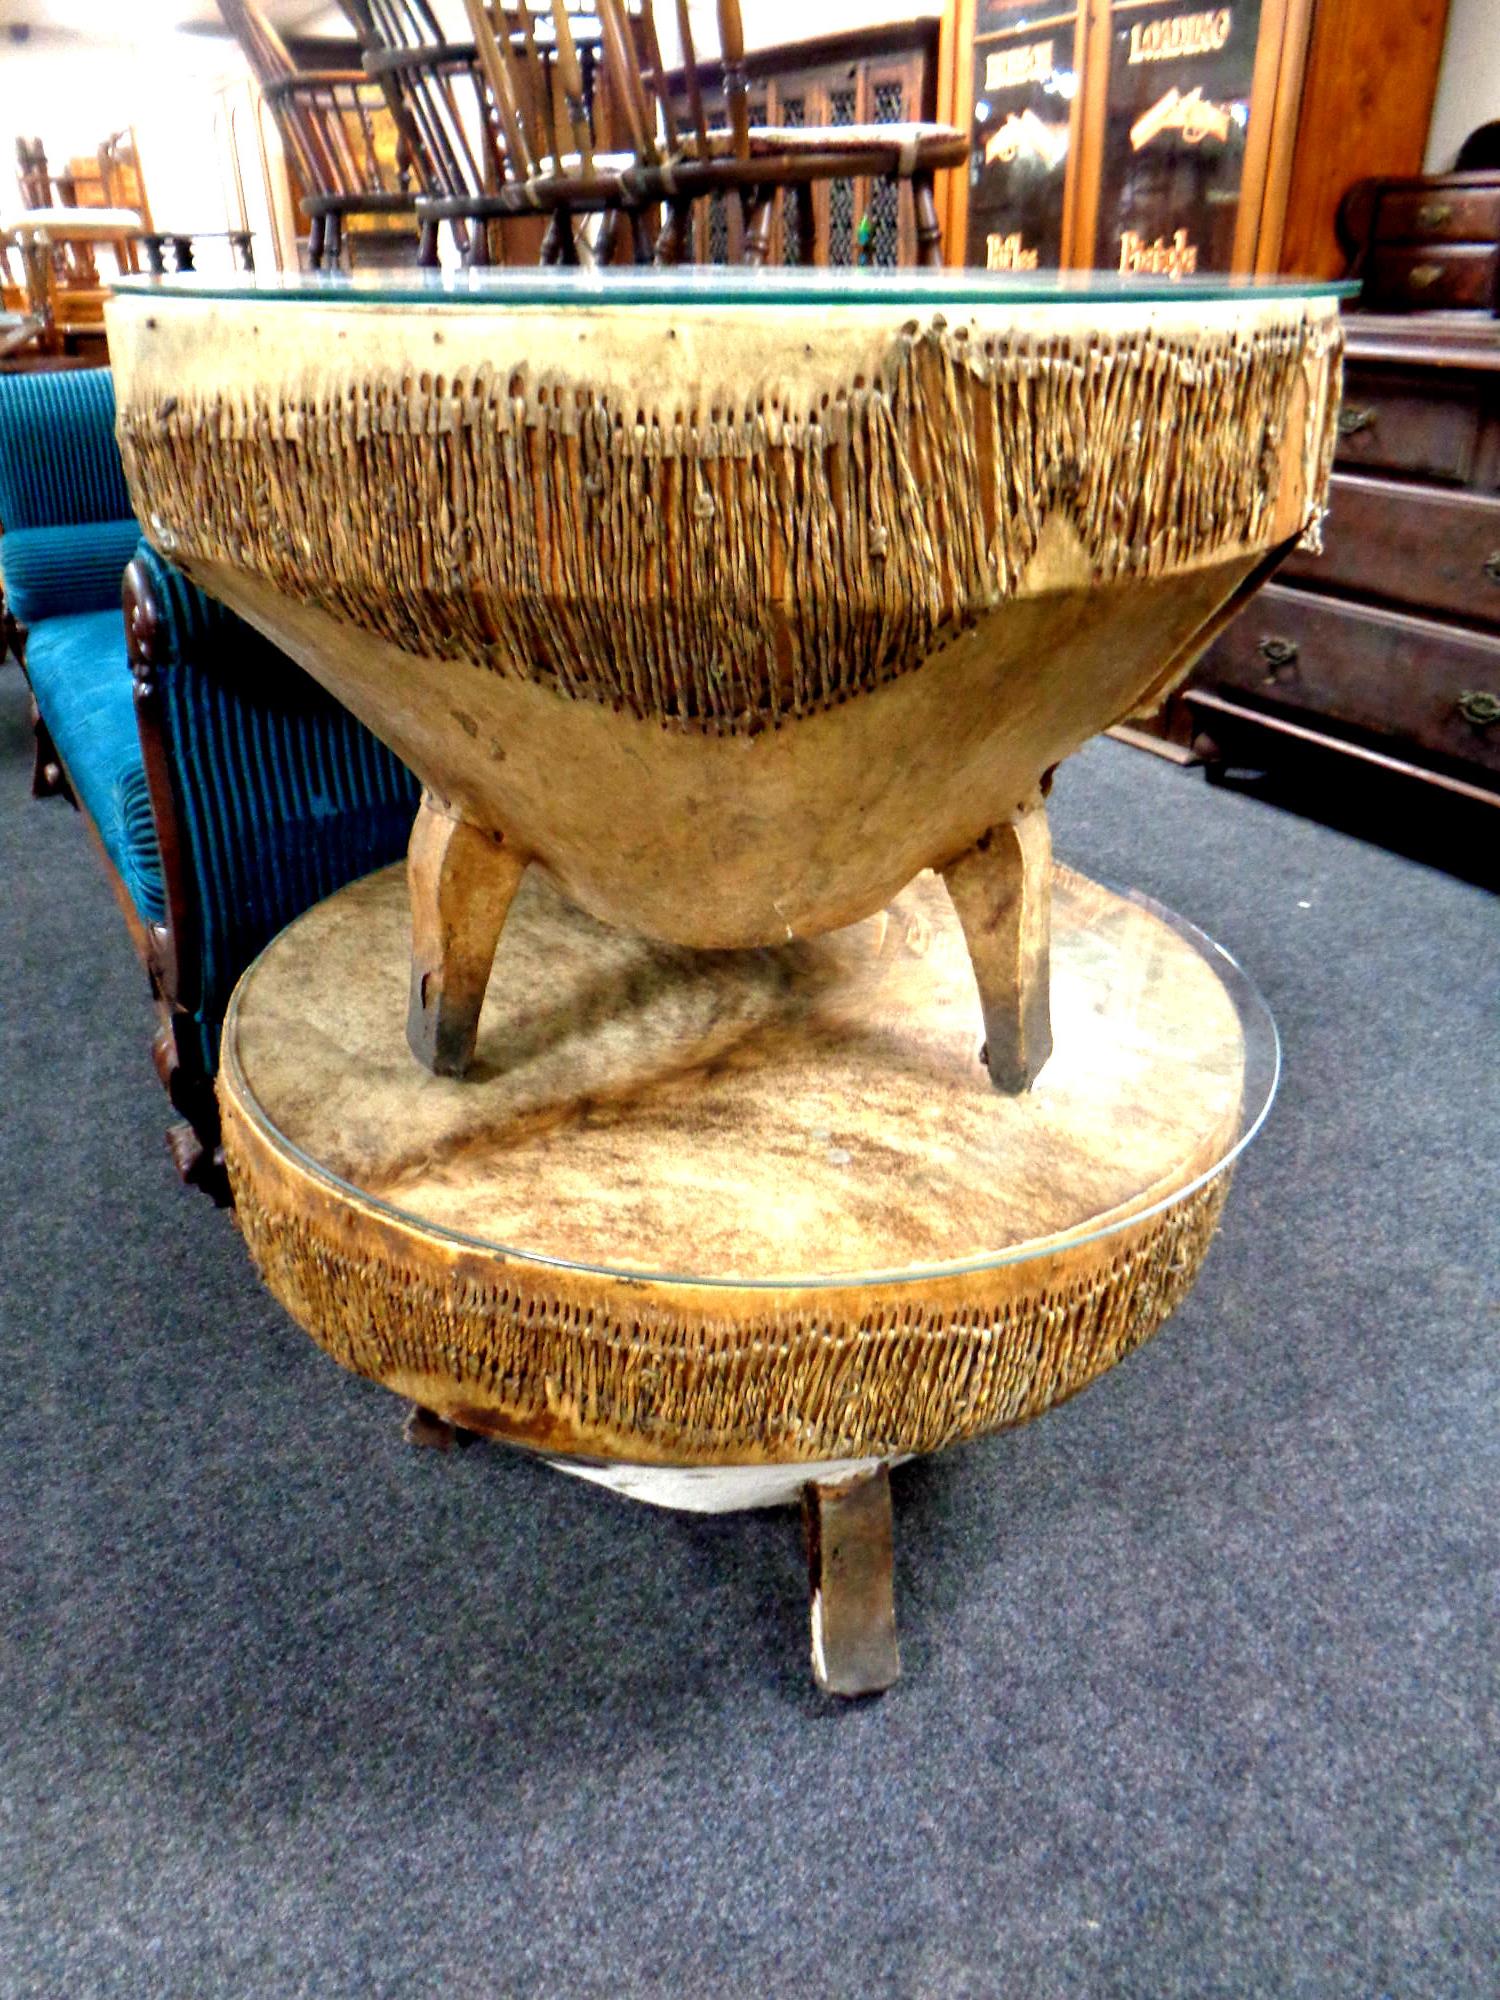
(1152, 137)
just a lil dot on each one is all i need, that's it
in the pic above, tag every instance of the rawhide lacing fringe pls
(504, 1346)
(731, 568)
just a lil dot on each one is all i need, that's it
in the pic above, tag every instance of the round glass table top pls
(811, 1114)
(718, 286)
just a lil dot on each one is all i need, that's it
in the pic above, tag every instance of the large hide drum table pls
(713, 610)
(732, 601)
(720, 1228)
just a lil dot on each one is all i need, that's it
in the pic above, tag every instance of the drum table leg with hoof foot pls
(738, 1228)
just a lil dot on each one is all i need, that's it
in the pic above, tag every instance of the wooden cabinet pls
(880, 76)
(1384, 650)
(1166, 136)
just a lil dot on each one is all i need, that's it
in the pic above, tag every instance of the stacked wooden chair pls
(682, 163)
(435, 93)
(534, 133)
(350, 161)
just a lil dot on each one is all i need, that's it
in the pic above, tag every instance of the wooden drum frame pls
(720, 1229)
(731, 601)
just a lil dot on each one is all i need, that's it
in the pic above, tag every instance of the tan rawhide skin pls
(502, 1250)
(732, 618)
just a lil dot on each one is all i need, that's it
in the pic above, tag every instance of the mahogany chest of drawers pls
(1425, 244)
(1385, 649)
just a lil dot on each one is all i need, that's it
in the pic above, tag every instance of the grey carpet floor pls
(1200, 1670)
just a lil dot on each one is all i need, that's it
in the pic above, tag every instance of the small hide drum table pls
(723, 1229)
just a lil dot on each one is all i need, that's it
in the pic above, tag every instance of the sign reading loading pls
(1181, 35)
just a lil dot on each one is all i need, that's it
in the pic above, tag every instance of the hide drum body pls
(732, 617)
(755, 1210)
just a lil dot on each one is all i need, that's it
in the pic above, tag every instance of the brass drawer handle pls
(1491, 565)
(1479, 707)
(1433, 214)
(1422, 277)
(1353, 419)
(1280, 655)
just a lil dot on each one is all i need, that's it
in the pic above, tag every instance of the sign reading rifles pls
(1180, 35)
(1009, 253)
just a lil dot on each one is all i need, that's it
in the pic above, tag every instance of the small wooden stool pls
(723, 1229)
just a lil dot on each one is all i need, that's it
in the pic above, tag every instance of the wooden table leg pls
(850, 1571)
(1002, 890)
(425, 1427)
(461, 880)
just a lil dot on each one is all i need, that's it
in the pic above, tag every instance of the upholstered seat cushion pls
(55, 572)
(82, 682)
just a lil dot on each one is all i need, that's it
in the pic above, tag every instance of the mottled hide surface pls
(739, 1206)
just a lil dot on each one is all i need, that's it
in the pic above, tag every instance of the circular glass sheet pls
(802, 1115)
(722, 285)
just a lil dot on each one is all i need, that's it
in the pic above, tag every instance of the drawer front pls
(1427, 278)
(1439, 215)
(1404, 678)
(1425, 549)
(1396, 424)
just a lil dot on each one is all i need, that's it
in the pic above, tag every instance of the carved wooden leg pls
(461, 880)
(851, 1575)
(1002, 891)
(425, 1427)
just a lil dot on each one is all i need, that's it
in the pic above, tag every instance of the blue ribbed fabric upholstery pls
(81, 678)
(282, 796)
(50, 572)
(59, 463)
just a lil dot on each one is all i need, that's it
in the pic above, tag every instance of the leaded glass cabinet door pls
(1176, 138)
(1151, 136)
(1022, 117)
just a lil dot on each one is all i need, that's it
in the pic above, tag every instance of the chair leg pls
(461, 880)
(194, 1141)
(48, 778)
(671, 245)
(335, 244)
(758, 209)
(608, 236)
(317, 236)
(806, 215)
(427, 245)
(929, 229)
(1002, 890)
